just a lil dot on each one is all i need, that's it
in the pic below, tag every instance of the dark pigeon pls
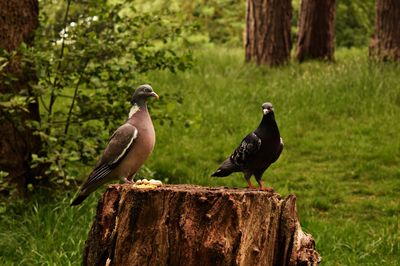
(257, 151)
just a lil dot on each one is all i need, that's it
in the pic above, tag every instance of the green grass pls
(43, 233)
(340, 124)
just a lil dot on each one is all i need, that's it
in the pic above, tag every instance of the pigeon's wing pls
(118, 146)
(249, 146)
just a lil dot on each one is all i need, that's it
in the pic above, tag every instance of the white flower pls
(72, 24)
(95, 18)
(63, 33)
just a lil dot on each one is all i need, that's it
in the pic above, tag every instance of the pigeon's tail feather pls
(78, 200)
(225, 169)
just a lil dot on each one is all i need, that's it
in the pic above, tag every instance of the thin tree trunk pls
(267, 39)
(316, 35)
(18, 21)
(385, 44)
(192, 225)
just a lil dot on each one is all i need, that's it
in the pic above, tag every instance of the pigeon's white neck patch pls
(134, 109)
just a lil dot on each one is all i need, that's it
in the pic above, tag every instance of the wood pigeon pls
(257, 151)
(127, 149)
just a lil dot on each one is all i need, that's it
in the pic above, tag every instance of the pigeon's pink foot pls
(250, 185)
(127, 181)
(261, 184)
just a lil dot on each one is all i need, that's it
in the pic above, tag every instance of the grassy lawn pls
(340, 123)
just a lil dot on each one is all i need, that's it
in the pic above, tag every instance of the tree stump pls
(194, 225)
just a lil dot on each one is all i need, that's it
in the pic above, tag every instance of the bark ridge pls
(267, 35)
(18, 22)
(316, 36)
(385, 45)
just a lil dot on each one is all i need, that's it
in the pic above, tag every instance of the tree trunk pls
(316, 35)
(193, 225)
(18, 21)
(385, 44)
(267, 38)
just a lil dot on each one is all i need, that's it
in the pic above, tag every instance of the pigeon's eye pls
(147, 90)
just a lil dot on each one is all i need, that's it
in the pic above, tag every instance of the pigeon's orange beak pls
(155, 95)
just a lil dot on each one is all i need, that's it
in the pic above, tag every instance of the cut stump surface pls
(194, 225)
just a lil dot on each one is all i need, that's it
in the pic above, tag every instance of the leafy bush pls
(217, 21)
(88, 59)
(354, 22)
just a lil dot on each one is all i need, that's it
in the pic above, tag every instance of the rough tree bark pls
(267, 39)
(18, 21)
(385, 44)
(316, 35)
(192, 225)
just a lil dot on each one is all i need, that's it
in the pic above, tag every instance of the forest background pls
(339, 120)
